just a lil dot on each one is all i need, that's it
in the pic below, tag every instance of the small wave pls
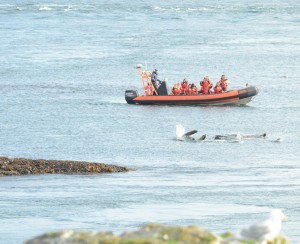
(158, 8)
(192, 9)
(69, 8)
(45, 8)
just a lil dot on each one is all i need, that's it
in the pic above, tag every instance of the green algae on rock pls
(24, 166)
(149, 234)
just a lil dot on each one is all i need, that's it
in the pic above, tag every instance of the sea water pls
(63, 72)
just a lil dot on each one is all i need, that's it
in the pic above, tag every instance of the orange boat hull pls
(235, 97)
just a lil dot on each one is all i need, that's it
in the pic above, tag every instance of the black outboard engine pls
(130, 95)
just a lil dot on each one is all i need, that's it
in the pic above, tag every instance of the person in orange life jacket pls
(206, 85)
(184, 86)
(154, 79)
(218, 87)
(223, 82)
(194, 89)
(149, 89)
(176, 89)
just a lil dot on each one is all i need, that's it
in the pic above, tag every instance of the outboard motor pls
(130, 95)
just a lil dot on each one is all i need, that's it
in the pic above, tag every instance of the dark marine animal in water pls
(192, 132)
(230, 136)
(189, 134)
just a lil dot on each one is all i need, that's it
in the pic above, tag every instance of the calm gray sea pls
(64, 67)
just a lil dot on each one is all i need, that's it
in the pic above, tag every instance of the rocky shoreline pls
(149, 234)
(25, 166)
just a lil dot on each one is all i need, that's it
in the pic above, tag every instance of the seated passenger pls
(223, 82)
(210, 84)
(194, 89)
(189, 90)
(176, 89)
(149, 89)
(218, 89)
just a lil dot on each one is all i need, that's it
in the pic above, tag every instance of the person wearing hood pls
(154, 79)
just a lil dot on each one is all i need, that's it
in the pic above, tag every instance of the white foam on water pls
(180, 131)
(45, 8)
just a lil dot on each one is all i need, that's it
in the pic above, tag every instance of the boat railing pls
(146, 82)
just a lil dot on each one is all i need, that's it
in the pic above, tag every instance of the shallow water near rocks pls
(64, 70)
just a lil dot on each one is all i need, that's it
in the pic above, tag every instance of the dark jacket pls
(154, 79)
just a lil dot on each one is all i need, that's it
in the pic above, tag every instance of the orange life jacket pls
(195, 90)
(205, 86)
(185, 87)
(188, 91)
(218, 89)
(182, 90)
(149, 89)
(176, 91)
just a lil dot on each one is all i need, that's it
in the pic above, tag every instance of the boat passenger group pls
(185, 88)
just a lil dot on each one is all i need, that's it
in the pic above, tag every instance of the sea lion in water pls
(192, 132)
(232, 136)
(202, 138)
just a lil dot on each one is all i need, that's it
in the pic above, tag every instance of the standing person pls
(154, 79)
(184, 86)
(205, 85)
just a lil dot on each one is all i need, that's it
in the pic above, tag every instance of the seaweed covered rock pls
(24, 166)
(149, 234)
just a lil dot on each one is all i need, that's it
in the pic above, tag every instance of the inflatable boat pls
(161, 97)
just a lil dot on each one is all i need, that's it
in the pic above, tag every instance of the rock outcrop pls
(24, 166)
(150, 234)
